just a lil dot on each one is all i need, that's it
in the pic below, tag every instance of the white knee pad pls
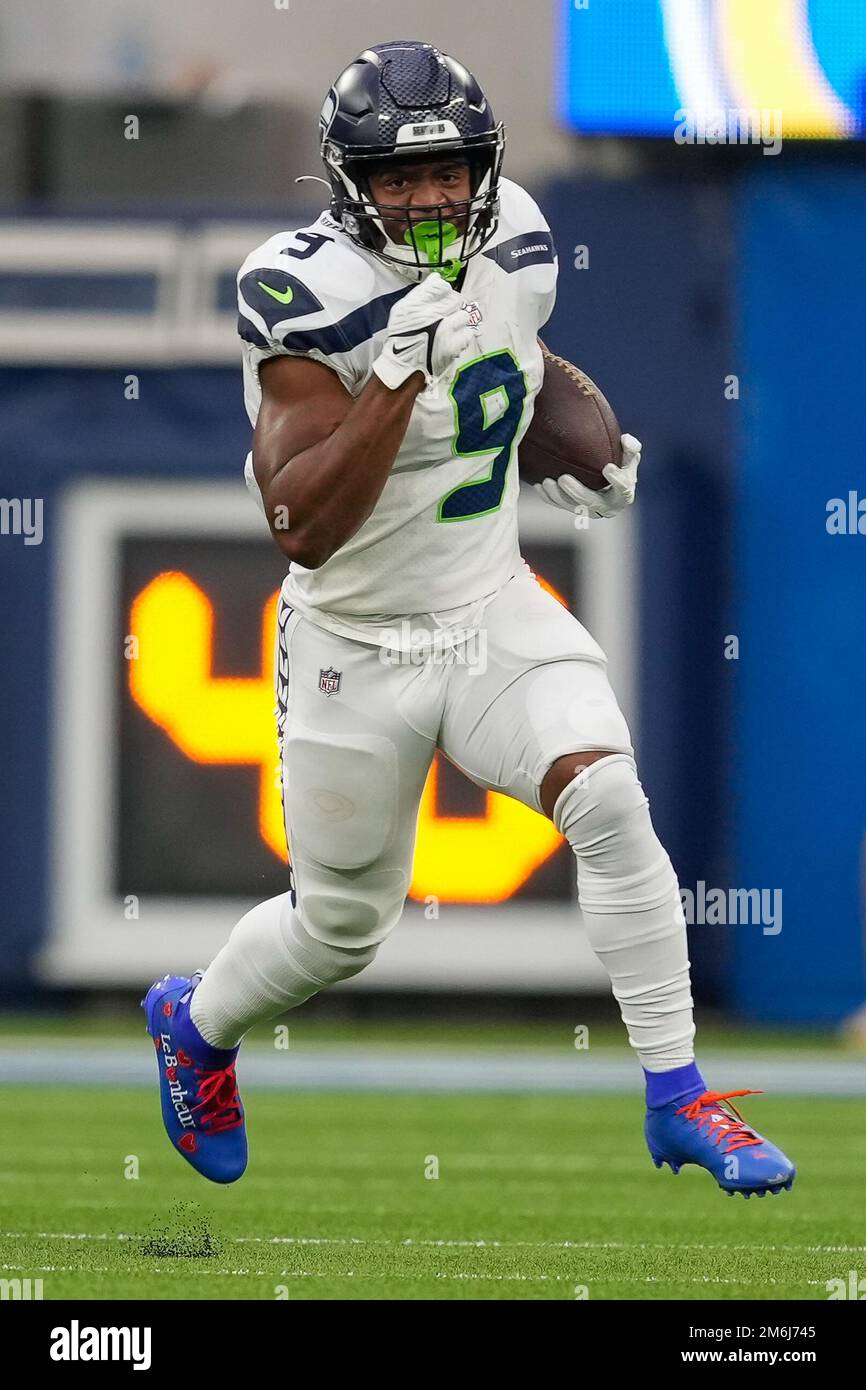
(324, 964)
(270, 963)
(622, 866)
(597, 801)
(350, 910)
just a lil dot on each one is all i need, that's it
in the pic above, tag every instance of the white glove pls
(567, 492)
(428, 329)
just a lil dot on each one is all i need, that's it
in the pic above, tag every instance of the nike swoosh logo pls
(282, 296)
(398, 352)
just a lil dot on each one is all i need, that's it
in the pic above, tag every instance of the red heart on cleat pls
(157, 1044)
(171, 1073)
(182, 1057)
(166, 1008)
(187, 1143)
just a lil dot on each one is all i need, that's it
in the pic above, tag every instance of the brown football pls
(573, 429)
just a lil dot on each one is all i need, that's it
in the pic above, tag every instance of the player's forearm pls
(317, 500)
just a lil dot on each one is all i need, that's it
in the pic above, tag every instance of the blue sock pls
(682, 1084)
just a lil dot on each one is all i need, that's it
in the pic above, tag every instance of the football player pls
(391, 361)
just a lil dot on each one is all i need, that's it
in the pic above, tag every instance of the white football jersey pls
(442, 538)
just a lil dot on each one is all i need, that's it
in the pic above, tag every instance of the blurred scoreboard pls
(198, 796)
(639, 67)
(168, 819)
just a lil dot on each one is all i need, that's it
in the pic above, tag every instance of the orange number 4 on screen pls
(230, 720)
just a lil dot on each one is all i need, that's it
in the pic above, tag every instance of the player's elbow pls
(301, 538)
(304, 547)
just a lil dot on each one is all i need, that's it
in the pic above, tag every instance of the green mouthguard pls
(433, 238)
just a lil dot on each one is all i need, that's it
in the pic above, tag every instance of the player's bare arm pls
(325, 457)
(322, 456)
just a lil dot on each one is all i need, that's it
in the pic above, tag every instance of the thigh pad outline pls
(341, 796)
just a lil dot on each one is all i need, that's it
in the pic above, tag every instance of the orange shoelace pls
(730, 1127)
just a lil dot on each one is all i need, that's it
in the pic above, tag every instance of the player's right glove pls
(428, 330)
(573, 496)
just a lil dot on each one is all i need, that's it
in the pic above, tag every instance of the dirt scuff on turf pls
(185, 1235)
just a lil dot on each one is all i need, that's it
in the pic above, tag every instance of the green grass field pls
(537, 1197)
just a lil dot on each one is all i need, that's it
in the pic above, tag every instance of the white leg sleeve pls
(629, 897)
(269, 964)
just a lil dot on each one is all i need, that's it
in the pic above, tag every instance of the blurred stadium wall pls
(233, 91)
(681, 273)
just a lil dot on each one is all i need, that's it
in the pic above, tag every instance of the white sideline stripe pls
(460, 1244)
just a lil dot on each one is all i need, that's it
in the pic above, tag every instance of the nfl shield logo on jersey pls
(329, 681)
(474, 312)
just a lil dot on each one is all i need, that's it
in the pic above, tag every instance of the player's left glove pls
(567, 492)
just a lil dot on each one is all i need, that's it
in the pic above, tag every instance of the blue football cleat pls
(201, 1108)
(710, 1132)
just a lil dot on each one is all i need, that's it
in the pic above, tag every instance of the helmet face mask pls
(400, 103)
(417, 238)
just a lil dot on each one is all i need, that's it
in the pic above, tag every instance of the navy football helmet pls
(405, 100)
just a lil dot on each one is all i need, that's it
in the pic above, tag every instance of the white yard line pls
(426, 1242)
(362, 1277)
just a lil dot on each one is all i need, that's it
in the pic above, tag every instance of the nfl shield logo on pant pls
(329, 681)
